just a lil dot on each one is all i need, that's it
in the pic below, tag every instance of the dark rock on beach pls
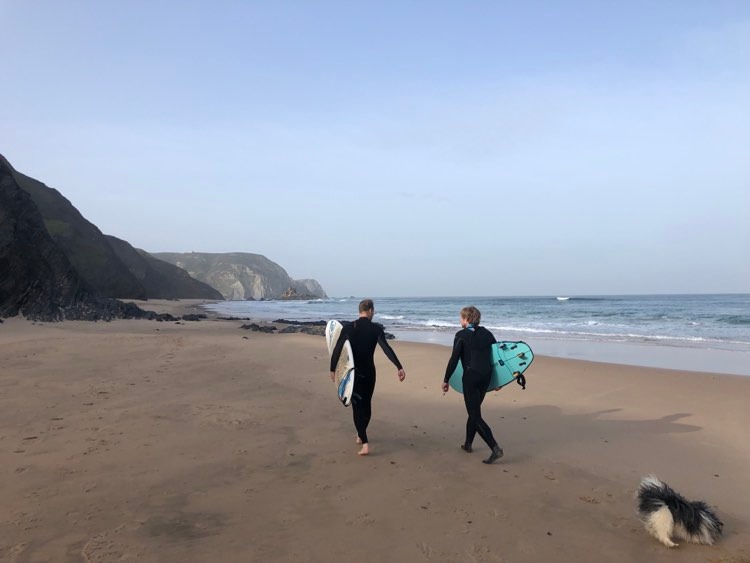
(303, 323)
(194, 317)
(304, 329)
(311, 327)
(257, 328)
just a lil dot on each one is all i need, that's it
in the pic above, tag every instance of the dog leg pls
(660, 525)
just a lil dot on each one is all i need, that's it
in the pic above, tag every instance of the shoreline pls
(647, 355)
(678, 358)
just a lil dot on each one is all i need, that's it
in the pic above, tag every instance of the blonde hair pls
(471, 314)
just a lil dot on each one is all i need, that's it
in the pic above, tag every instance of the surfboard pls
(509, 360)
(344, 372)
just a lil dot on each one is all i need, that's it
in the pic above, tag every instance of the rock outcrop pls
(82, 242)
(160, 279)
(239, 275)
(108, 266)
(309, 287)
(36, 278)
(291, 294)
(57, 265)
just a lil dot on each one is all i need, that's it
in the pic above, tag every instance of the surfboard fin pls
(344, 390)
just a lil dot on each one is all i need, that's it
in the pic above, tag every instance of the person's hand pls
(401, 374)
(333, 376)
(444, 387)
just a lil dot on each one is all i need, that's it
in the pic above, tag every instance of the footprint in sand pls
(426, 550)
(17, 550)
(498, 514)
(483, 553)
(358, 519)
(102, 549)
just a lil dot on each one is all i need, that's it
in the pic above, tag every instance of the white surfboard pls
(344, 372)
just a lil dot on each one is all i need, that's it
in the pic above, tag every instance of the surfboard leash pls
(521, 380)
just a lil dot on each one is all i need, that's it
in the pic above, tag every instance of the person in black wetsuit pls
(364, 335)
(472, 346)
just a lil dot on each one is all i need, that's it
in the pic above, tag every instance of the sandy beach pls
(155, 441)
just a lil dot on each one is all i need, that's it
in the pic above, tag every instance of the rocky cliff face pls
(240, 275)
(82, 242)
(309, 287)
(55, 264)
(36, 278)
(161, 280)
(109, 267)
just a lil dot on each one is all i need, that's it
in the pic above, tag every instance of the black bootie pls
(497, 453)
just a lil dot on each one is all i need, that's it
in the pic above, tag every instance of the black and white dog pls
(668, 515)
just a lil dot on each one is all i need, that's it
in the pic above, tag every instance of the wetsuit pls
(472, 347)
(363, 335)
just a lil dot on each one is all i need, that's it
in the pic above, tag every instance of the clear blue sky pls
(400, 148)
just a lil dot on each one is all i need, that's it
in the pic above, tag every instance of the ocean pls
(696, 332)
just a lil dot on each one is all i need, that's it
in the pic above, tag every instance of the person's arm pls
(458, 345)
(387, 349)
(390, 354)
(336, 354)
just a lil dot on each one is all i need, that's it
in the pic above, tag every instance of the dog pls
(667, 515)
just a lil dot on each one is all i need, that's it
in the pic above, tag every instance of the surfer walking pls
(472, 347)
(364, 335)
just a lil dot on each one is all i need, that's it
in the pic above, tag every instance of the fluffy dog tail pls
(668, 515)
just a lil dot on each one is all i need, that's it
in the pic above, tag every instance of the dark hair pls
(366, 305)
(471, 314)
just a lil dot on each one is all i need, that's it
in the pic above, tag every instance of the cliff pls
(82, 242)
(240, 275)
(56, 264)
(36, 278)
(309, 287)
(160, 280)
(109, 267)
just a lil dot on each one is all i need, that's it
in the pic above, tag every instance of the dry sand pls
(147, 441)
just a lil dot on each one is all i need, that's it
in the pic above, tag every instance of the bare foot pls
(358, 440)
(365, 450)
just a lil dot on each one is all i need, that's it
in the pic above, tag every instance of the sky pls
(391, 148)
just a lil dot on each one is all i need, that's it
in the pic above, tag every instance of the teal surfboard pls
(509, 360)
